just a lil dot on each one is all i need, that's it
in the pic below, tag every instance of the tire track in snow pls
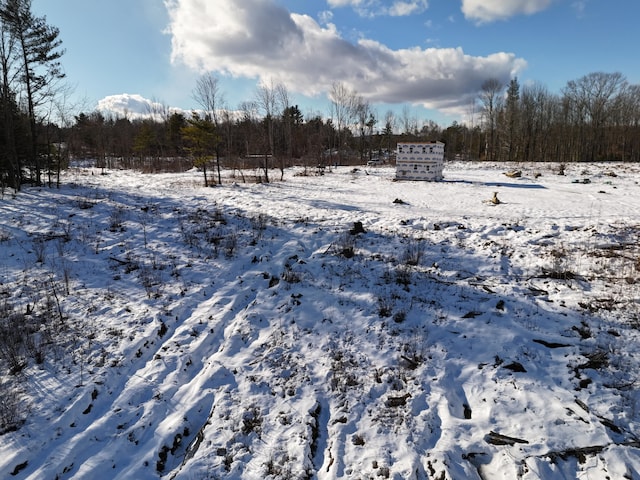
(154, 399)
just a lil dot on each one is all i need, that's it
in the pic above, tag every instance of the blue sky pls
(428, 57)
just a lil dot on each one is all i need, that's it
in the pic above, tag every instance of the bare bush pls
(346, 245)
(116, 220)
(290, 276)
(151, 280)
(39, 246)
(343, 370)
(252, 421)
(230, 243)
(413, 252)
(403, 275)
(258, 226)
(13, 332)
(12, 412)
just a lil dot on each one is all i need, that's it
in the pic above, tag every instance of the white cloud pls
(137, 107)
(370, 8)
(133, 107)
(400, 8)
(484, 11)
(258, 39)
(348, 3)
(325, 17)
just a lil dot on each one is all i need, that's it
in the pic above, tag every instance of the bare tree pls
(366, 121)
(512, 119)
(57, 152)
(248, 131)
(283, 100)
(266, 99)
(343, 108)
(208, 95)
(227, 121)
(389, 128)
(490, 97)
(409, 121)
(157, 110)
(627, 121)
(594, 94)
(532, 101)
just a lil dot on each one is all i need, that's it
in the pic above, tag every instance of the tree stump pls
(357, 228)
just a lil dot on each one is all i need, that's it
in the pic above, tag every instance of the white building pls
(420, 161)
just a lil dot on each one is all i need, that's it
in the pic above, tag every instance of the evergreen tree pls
(201, 139)
(38, 48)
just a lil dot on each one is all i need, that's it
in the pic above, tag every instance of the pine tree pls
(38, 48)
(201, 139)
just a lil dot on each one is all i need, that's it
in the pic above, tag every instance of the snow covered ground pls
(155, 328)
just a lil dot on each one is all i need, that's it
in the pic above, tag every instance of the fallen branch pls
(498, 439)
(551, 344)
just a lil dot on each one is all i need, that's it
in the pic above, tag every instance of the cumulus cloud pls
(484, 11)
(133, 107)
(259, 39)
(137, 107)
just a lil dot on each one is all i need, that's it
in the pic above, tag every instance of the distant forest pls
(594, 118)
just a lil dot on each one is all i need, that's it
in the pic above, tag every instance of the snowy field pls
(155, 328)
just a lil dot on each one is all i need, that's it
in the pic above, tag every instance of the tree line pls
(263, 133)
(593, 118)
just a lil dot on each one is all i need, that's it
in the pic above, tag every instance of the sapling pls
(413, 252)
(39, 248)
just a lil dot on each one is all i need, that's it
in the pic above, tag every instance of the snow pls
(243, 332)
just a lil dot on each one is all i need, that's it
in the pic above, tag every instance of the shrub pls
(11, 412)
